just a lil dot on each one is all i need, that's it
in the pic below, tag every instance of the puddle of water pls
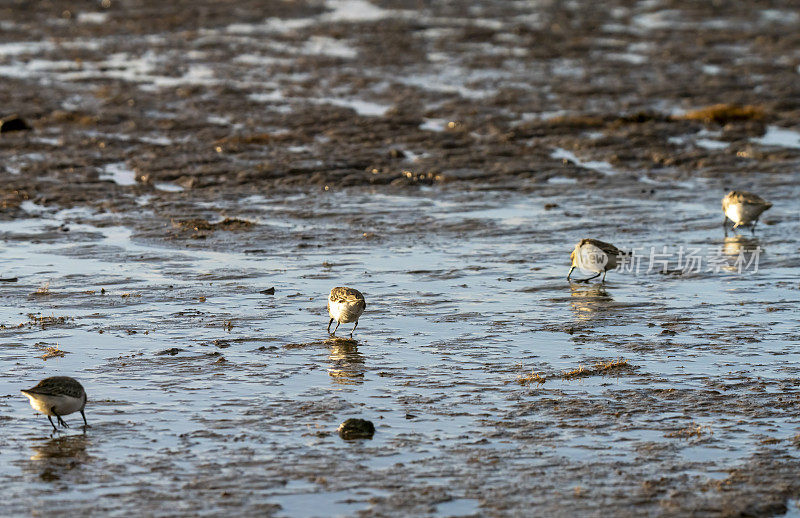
(92, 18)
(365, 108)
(665, 19)
(119, 173)
(310, 502)
(159, 140)
(329, 47)
(712, 144)
(627, 57)
(16, 48)
(274, 96)
(456, 80)
(142, 70)
(594, 165)
(561, 180)
(459, 507)
(782, 16)
(703, 139)
(792, 508)
(354, 11)
(779, 137)
(344, 11)
(168, 187)
(436, 125)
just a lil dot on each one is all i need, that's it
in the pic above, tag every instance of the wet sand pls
(184, 158)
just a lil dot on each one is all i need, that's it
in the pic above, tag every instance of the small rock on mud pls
(169, 352)
(356, 429)
(13, 123)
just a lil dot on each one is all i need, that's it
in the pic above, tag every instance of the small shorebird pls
(345, 305)
(57, 396)
(594, 256)
(742, 208)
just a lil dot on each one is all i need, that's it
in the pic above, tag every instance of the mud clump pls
(690, 432)
(199, 224)
(13, 123)
(533, 377)
(235, 143)
(353, 429)
(598, 369)
(47, 321)
(12, 198)
(577, 121)
(725, 113)
(170, 352)
(50, 351)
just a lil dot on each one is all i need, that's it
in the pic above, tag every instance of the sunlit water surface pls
(199, 384)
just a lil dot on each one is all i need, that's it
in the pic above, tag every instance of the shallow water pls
(238, 394)
(444, 162)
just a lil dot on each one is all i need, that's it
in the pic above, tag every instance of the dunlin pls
(58, 396)
(345, 305)
(594, 256)
(743, 208)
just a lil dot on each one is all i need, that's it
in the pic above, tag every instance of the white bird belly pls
(344, 312)
(52, 405)
(592, 259)
(735, 213)
(743, 213)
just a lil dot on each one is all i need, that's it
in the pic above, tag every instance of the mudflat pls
(192, 178)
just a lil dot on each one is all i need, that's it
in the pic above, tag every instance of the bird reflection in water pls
(347, 364)
(588, 301)
(734, 245)
(744, 250)
(53, 458)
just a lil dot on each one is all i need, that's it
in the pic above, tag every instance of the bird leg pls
(329, 326)
(61, 421)
(604, 276)
(590, 278)
(85, 424)
(51, 422)
(337, 327)
(354, 329)
(570, 272)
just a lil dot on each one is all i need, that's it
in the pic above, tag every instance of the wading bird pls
(58, 396)
(594, 256)
(345, 305)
